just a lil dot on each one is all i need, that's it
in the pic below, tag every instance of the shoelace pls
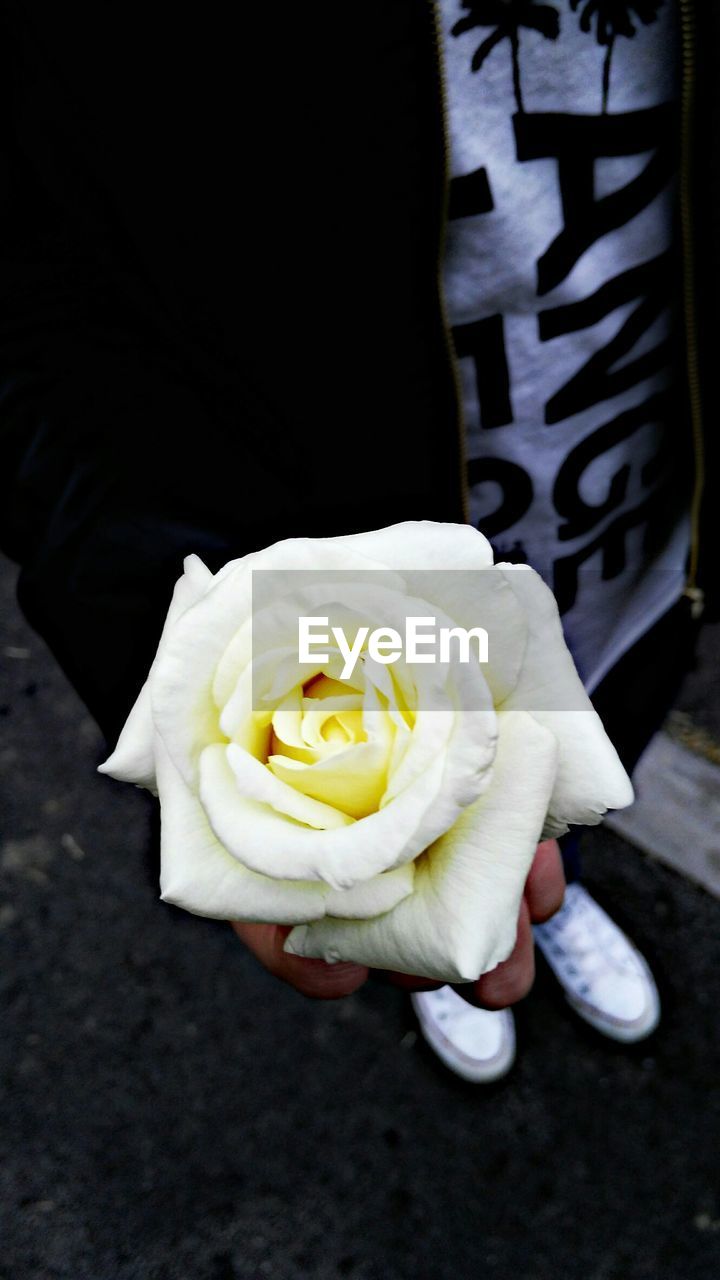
(584, 943)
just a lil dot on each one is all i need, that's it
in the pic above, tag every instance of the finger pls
(545, 885)
(312, 978)
(409, 982)
(509, 981)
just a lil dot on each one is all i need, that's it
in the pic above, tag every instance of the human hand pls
(502, 986)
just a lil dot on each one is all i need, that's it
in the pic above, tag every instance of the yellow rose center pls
(337, 742)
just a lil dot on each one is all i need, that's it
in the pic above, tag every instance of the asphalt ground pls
(168, 1110)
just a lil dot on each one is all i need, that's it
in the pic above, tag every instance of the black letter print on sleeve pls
(581, 516)
(577, 142)
(515, 485)
(483, 341)
(597, 380)
(611, 545)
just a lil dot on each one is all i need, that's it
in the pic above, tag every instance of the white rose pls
(392, 818)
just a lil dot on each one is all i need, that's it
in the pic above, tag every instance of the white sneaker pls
(604, 977)
(477, 1044)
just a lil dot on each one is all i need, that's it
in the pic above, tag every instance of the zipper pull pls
(696, 596)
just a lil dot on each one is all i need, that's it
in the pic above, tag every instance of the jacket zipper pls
(687, 102)
(449, 343)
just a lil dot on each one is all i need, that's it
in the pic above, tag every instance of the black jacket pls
(220, 312)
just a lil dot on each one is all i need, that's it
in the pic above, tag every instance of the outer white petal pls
(199, 875)
(181, 686)
(461, 919)
(373, 897)
(553, 828)
(480, 598)
(260, 822)
(422, 544)
(133, 758)
(442, 563)
(590, 778)
(271, 843)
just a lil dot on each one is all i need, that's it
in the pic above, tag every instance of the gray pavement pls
(168, 1110)
(676, 814)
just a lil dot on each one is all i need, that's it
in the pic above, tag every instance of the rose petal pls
(461, 919)
(133, 759)
(374, 896)
(590, 777)
(422, 544)
(197, 873)
(352, 780)
(181, 683)
(480, 598)
(275, 845)
(257, 782)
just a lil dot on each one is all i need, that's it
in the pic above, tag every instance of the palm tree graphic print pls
(613, 18)
(507, 17)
